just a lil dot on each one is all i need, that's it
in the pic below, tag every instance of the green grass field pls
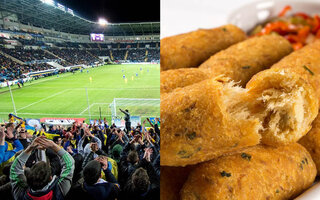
(65, 96)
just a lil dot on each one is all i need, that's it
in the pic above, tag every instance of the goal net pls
(137, 107)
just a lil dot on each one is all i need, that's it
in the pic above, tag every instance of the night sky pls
(116, 11)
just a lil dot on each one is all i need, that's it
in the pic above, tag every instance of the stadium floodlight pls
(70, 11)
(61, 7)
(102, 22)
(50, 2)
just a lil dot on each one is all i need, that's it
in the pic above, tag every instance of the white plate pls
(248, 16)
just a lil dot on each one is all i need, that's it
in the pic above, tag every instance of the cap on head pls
(116, 152)
(92, 172)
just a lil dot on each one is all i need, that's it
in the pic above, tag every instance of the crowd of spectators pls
(96, 161)
(75, 56)
(31, 42)
(137, 55)
(100, 52)
(118, 54)
(10, 70)
(26, 55)
(153, 55)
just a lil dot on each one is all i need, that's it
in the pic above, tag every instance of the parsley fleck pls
(246, 67)
(192, 135)
(182, 152)
(301, 166)
(246, 156)
(306, 68)
(223, 174)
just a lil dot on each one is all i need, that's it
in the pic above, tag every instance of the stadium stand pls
(26, 55)
(26, 46)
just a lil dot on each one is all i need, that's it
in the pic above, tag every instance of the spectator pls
(127, 119)
(139, 186)
(94, 186)
(6, 154)
(38, 177)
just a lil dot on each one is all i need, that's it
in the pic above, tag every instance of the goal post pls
(137, 107)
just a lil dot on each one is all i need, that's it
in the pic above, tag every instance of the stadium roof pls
(49, 14)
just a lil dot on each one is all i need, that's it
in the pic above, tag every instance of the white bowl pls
(248, 16)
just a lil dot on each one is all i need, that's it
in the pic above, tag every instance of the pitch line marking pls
(93, 105)
(43, 99)
(86, 109)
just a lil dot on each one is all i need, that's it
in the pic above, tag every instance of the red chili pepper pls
(318, 34)
(297, 45)
(303, 15)
(284, 11)
(292, 38)
(303, 34)
(316, 24)
(279, 27)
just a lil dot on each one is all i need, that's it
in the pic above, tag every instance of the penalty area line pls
(42, 99)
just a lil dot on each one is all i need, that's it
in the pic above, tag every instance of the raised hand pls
(69, 149)
(148, 152)
(87, 132)
(104, 161)
(9, 133)
(35, 144)
(2, 135)
(139, 140)
(48, 144)
(94, 147)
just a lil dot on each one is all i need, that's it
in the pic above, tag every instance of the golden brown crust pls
(178, 78)
(238, 62)
(213, 117)
(196, 125)
(244, 59)
(305, 62)
(258, 172)
(172, 180)
(311, 142)
(191, 49)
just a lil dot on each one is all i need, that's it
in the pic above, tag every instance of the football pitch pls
(66, 95)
